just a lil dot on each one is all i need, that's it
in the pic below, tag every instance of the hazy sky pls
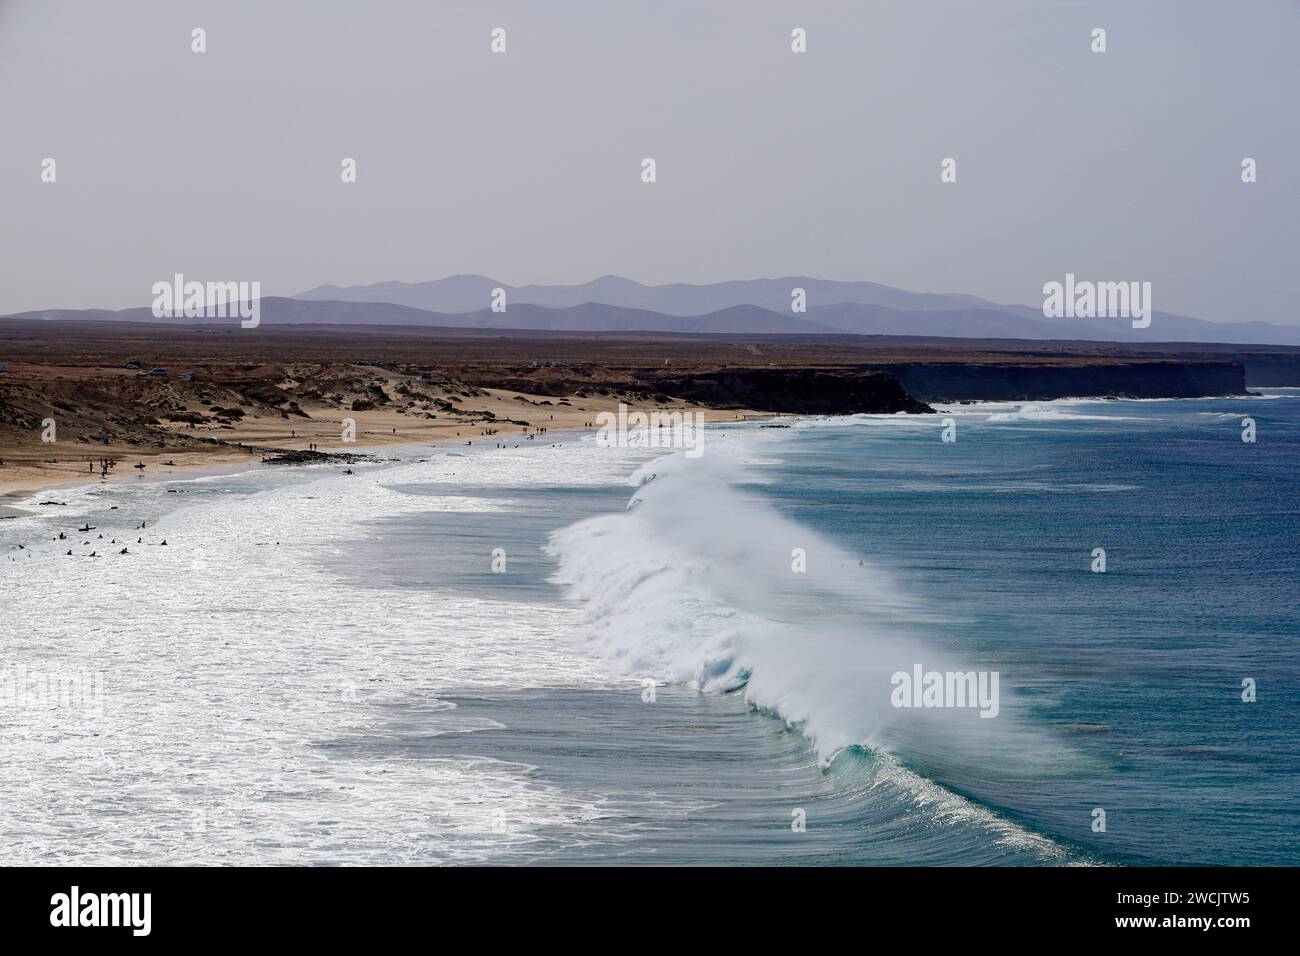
(525, 166)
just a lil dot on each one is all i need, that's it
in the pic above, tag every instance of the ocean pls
(563, 653)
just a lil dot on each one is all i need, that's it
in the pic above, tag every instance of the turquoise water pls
(1120, 690)
(1139, 668)
(322, 667)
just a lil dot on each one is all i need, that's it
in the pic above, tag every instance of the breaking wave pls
(695, 583)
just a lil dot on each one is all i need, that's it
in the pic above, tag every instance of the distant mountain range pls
(756, 306)
(469, 293)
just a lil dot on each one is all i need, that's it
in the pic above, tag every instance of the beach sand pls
(33, 466)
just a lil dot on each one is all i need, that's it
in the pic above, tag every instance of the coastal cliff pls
(906, 387)
(909, 387)
(992, 382)
(799, 391)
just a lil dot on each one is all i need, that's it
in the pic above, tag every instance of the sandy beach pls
(32, 466)
(103, 398)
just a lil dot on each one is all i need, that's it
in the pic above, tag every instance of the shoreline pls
(25, 473)
(31, 479)
(17, 485)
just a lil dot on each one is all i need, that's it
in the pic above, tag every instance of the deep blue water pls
(1133, 675)
(1120, 691)
(1140, 667)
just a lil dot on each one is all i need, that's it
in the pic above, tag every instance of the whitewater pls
(324, 668)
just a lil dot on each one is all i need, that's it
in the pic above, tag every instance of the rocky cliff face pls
(955, 382)
(908, 387)
(793, 390)
(1271, 370)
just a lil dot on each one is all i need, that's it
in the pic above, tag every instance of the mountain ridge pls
(957, 321)
(464, 293)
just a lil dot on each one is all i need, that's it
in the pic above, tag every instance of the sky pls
(526, 165)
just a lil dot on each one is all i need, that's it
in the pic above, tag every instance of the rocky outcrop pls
(793, 390)
(980, 381)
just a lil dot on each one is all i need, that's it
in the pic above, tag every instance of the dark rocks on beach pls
(294, 457)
